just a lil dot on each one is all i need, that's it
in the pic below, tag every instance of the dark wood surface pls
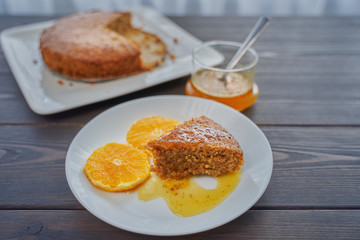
(309, 109)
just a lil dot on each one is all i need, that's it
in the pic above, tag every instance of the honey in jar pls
(212, 80)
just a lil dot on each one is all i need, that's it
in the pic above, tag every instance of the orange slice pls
(149, 128)
(117, 167)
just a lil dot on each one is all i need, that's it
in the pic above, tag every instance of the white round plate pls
(125, 210)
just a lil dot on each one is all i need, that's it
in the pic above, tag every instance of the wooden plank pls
(314, 167)
(272, 87)
(292, 112)
(32, 163)
(326, 63)
(290, 100)
(4, 67)
(310, 45)
(239, 26)
(285, 224)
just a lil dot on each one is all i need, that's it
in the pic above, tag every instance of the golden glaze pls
(186, 197)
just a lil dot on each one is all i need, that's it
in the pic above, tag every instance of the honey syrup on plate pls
(186, 197)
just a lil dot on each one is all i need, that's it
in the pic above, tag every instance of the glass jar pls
(210, 79)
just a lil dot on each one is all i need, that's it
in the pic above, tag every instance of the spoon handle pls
(257, 30)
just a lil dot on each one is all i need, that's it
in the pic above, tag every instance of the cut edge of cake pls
(151, 47)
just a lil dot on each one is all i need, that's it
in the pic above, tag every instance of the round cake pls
(99, 45)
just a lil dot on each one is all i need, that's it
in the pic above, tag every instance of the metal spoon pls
(255, 32)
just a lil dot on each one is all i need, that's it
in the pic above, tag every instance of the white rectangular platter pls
(48, 93)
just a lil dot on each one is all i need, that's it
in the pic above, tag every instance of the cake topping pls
(201, 130)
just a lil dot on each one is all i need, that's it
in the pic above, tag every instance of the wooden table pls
(309, 109)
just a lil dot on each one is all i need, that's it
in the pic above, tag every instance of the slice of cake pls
(197, 147)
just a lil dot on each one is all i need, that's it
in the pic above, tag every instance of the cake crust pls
(197, 147)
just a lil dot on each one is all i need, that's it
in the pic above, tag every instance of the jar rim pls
(228, 43)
